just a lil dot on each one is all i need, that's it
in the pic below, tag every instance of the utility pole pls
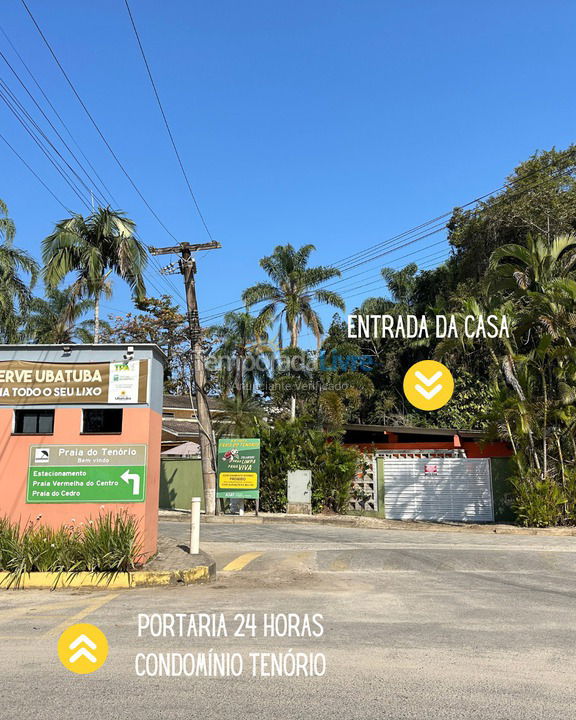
(187, 267)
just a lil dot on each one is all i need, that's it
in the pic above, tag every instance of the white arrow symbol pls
(127, 476)
(428, 381)
(82, 639)
(428, 394)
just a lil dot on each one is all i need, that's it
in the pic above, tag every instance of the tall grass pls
(109, 544)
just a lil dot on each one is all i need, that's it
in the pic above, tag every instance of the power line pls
(350, 262)
(379, 275)
(94, 123)
(37, 104)
(385, 252)
(38, 142)
(28, 119)
(375, 257)
(405, 255)
(56, 113)
(52, 193)
(169, 131)
(354, 260)
(431, 264)
(15, 109)
(341, 280)
(35, 174)
(435, 226)
(47, 140)
(475, 201)
(432, 260)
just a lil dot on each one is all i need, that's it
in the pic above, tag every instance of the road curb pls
(109, 581)
(360, 521)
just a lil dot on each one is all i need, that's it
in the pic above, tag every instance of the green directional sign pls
(86, 474)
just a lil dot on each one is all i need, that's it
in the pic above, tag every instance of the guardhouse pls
(80, 433)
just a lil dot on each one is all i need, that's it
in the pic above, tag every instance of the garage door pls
(455, 489)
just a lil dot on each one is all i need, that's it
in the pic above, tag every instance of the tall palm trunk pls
(545, 425)
(239, 379)
(97, 319)
(293, 343)
(294, 335)
(510, 375)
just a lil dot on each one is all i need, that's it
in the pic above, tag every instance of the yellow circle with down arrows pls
(82, 648)
(428, 385)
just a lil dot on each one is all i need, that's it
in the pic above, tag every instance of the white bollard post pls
(195, 526)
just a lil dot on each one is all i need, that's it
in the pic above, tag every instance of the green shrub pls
(332, 474)
(110, 544)
(569, 484)
(279, 453)
(291, 445)
(538, 501)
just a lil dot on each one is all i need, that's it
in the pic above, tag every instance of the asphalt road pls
(416, 625)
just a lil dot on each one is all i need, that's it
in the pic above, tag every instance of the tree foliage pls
(18, 275)
(159, 321)
(58, 318)
(293, 445)
(93, 248)
(293, 288)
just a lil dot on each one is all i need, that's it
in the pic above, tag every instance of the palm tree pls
(15, 292)
(293, 289)
(401, 283)
(540, 284)
(94, 248)
(242, 352)
(239, 417)
(7, 227)
(56, 318)
(533, 266)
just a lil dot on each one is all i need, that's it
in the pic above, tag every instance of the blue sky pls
(337, 123)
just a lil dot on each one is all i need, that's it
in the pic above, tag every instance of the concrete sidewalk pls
(362, 521)
(174, 555)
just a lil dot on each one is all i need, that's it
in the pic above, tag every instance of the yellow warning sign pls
(238, 481)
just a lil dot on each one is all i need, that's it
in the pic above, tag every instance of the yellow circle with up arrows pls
(428, 385)
(82, 648)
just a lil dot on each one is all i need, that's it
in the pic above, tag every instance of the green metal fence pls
(180, 481)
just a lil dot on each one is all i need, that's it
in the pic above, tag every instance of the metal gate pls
(457, 489)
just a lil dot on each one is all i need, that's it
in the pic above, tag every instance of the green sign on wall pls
(238, 468)
(86, 473)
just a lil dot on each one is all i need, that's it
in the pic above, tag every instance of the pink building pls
(80, 433)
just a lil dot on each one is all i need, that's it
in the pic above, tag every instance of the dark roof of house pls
(183, 402)
(180, 428)
(407, 430)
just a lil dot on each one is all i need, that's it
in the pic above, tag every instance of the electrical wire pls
(95, 124)
(35, 174)
(336, 282)
(38, 142)
(168, 130)
(385, 252)
(46, 139)
(55, 130)
(56, 113)
(428, 266)
(27, 120)
(349, 262)
(62, 171)
(448, 214)
(436, 227)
